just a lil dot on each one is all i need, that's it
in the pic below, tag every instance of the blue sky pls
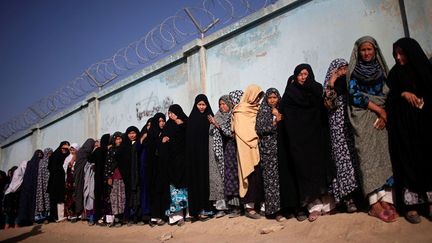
(46, 43)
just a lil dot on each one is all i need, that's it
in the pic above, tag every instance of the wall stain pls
(150, 105)
(251, 44)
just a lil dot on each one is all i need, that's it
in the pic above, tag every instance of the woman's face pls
(132, 135)
(172, 116)
(64, 148)
(118, 141)
(342, 71)
(97, 144)
(223, 107)
(302, 76)
(367, 51)
(399, 56)
(272, 100)
(201, 106)
(161, 123)
(72, 150)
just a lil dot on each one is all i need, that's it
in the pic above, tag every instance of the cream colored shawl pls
(243, 126)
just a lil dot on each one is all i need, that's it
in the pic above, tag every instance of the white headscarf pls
(17, 178)
(69, 158)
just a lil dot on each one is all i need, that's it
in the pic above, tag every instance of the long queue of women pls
(360, 142)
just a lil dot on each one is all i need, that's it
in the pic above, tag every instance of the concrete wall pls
(262, 48)
(72, 128)
(19, 151)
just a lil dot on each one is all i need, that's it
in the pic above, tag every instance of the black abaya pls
(305, 125)
(410, 127)
(197, 157)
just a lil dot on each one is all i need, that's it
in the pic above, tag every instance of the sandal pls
(203, 218)
(384, 215)
(160, 222)
(350, 206)
(180, 223)
(301, 216)
(314, 216)
(413, 217)
(220, 214)
(252, 214)
(280, 218)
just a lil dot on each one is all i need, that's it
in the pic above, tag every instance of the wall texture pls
(262, 48)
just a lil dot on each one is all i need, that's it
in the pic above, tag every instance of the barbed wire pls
(158, 42)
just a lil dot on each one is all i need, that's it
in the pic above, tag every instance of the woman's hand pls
(165, 139)
(411, 98)
(379, 124)
(381, 121)
(178, 121)
(212, 121)
(110, 182)
(334, 76)
(276, 113)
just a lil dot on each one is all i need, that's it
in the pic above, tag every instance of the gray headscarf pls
(356, 63)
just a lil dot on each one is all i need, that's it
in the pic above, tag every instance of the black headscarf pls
(197, 156)
(178, 111)
(301, 94)
(112, 158)
(417, 70)
(144, 128)
(155, 130)
(27, 202)
(56, 182)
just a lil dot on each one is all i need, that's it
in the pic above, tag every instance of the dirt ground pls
(358, 227)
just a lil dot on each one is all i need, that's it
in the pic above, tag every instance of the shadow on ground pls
(36, 230)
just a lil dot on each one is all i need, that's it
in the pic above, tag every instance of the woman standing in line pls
(42, 196)
(79, 174)
(173, 166)
(217, 143)
(367, 74)
(197, 158)
(409, 116)
(342, 139)
(69, 202)
(243, 126)
(27, 203)
(231, 178)
(305, 123)
(56, 181)
(157, 178)
(115, 193)
(267, 129)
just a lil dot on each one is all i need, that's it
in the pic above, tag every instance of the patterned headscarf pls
(264, 117)
(334, 65)
(235, 96)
